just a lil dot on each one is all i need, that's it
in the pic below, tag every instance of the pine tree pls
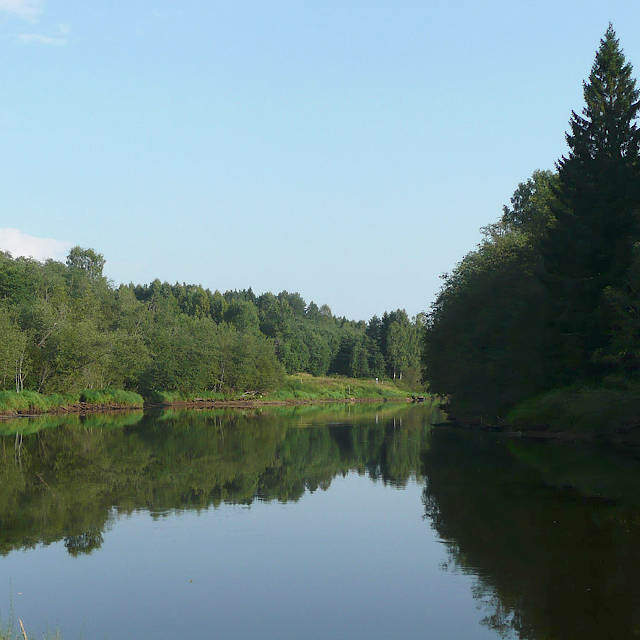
(590, 245)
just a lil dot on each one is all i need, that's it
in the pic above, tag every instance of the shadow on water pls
(551, 532)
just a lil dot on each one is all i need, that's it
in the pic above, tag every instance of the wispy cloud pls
(37, 38)
(57, 40)
(18, 243)
(27, 9)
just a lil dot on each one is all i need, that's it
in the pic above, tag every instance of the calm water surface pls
(326, 522)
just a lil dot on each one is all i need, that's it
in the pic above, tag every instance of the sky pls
(346, 150)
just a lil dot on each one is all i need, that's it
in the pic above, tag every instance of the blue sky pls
(346, 150)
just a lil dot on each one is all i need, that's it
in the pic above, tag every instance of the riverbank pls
(605, 413)
(298, 389)
(31, 402)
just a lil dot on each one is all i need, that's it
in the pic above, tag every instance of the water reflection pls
(66, 478)
(551, 531)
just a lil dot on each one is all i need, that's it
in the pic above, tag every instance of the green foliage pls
(111, 397)
(483, 345)
(66, 329)
(87, 260)
(549, 298)
(590, 245)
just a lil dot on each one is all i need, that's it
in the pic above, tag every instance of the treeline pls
(65, 327)
(551, 296)
(306, 338)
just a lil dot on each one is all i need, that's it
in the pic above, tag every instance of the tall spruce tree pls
(590, 245)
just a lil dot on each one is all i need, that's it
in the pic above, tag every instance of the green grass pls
(12, 402)
(33, 402)
(598, 410)
(302, 386)
(109, 397)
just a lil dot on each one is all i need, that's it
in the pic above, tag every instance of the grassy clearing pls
(303, 386)
(33, 402)
(598, 410)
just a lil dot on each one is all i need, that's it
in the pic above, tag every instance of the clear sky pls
(346, 150)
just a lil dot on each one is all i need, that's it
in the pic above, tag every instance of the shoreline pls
(89, 408)
(542, 432)
(249, 404)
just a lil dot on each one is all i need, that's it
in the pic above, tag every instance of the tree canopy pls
(549, 298)
(65, 327)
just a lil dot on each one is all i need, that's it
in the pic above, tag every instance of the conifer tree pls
(590, 245)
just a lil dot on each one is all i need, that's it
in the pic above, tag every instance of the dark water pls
(345, 522)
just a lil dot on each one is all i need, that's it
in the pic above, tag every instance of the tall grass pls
(32, 402)
(300, 386)
(303, 386)
(110, 397)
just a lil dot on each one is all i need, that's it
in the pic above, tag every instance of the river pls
(347, 521)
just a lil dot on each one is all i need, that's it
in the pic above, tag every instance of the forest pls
(65, 327)
(549, 302)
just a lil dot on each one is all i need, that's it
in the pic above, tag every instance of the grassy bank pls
(598, 411)
(296, 388)
(300, 387)
(303, 386)
(12, 403)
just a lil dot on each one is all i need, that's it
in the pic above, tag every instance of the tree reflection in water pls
(551, 531)
(75, 474)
